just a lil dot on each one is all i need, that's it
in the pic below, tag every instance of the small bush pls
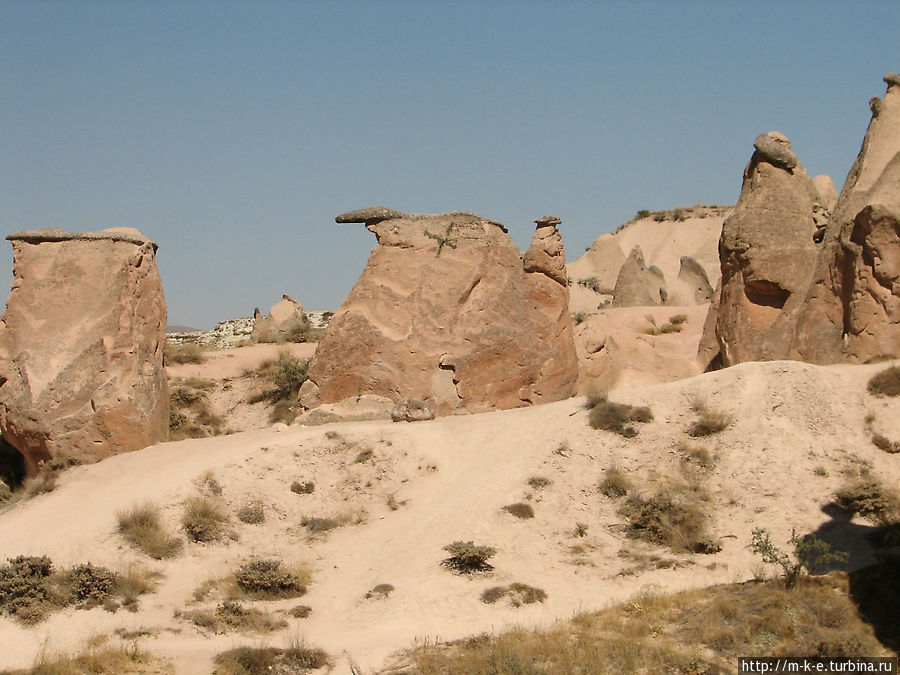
(491, 595)
(186, 353)
(592, 284)
(810, 554)
(520, 510)
(615, 483)
(300, 611)
(870, 499)
(643, 213)
(287, 375)
(885, 383)
(40, 484)
(466, 557)
(265, 578)
(316, 525)
(25, 590)
(262, 660)
(671, 517)
(696, 455)
(252, 514)
(617, 417)
(204, 519)
(304, 488)
(883, 443)
(517, 594)
(678, 319)
(232, 615)
(579, 318)
(539, 482)
(89, 585)
(709, 423)
(380, 592)
(141, 526)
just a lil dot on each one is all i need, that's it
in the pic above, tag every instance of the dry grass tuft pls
(186, 353)
(98, 660)
(698, 631)
(204, 518)
(141, 526)
(232, 615)
(870, 499)
(268, 579)
(252, 513)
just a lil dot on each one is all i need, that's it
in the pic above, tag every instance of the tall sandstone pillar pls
(852, 312)
(81, 346)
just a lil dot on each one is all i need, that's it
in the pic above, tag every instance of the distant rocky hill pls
(663, 239)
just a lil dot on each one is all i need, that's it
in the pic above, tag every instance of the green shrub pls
(466, 557)
(265, 578)
(810, 554)
(204, 519)
(90, 585)
(885, 383)
(643, 213)
(25, 590)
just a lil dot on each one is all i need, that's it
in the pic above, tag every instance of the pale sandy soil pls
(798, 428)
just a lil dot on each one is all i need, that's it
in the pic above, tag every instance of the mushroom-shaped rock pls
(445, 312)
(767, 253)
(81, 346)
(546, 254)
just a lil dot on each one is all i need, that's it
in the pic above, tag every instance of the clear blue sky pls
(232, 133)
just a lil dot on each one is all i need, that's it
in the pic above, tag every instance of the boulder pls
(852, 310)
(412, 410)
(447, 311)
(81, 346)
(286, 322)
(637, 284)
(768, 254)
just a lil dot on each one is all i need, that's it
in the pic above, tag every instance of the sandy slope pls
(798, 427)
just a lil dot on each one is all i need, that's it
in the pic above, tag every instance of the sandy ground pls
(798, 432)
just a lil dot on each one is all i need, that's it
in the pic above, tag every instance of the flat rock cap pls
(892, 79)
(372, 214)
(126, 234)
(545, 221)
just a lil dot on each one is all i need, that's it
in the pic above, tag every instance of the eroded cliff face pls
(768, 252)
(447, 310)
(81, 346)
(852, 311)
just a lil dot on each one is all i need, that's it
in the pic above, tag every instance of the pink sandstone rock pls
(81, 346)
(448, 312)
(852, 310)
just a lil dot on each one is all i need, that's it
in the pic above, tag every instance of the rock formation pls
(286, 321)
(637, 284)
(691, 286)
(81, 346)
(448, 311)
(828, 194)
(412, 410)
(852, 311)
(768, 254)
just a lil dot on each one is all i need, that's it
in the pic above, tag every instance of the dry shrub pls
(186, 353)
(285, 375)
(697, 631)
(41, 484)
(267, 579)
(520, 510)
(885, 383)
(709, 422)
(886, 444)
(870, 499)
(467, 557)
(617, 417)
(267, 660)
(517, 594)
(232, 615)
(300, 611)
(303, 488)
(673, 516)
(204, 518)
(252, 513)
(141, 526)
(696, 456)
(315, 524)
(539, 482)
(380, 592)
(615, 483)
